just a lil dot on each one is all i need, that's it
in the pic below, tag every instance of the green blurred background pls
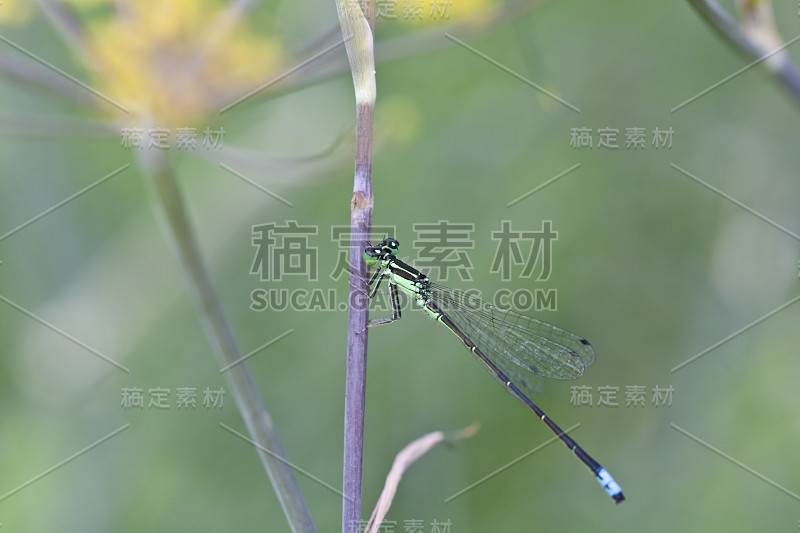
(649, 265)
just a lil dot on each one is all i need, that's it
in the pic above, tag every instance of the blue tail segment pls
(612, 487)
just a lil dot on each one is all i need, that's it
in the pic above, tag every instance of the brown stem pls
(357, 33)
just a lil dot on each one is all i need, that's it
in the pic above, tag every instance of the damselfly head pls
(390, 245)
(373, 254)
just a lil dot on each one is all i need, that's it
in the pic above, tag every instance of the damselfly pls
(516, 349)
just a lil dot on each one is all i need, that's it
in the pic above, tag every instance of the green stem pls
(175, 218)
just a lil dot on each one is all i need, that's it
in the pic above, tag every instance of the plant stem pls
(357, 32)
(783, 71)
(220, 335)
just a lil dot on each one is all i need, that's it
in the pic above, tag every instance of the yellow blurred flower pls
(15, 11)
(173, 62)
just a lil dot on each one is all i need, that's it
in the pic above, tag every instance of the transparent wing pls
(516, 342)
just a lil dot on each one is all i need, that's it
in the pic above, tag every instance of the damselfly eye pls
(372, 255)
(390, 245)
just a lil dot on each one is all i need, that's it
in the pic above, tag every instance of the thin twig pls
(223, 342)
(56, 126)
(357, 33)
(22, 69)
(65, 22)
(402, 462)
(781, 67)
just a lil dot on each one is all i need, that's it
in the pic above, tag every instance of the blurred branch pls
(66, 23)
(357, 33)
(42, 78)
(223, 342)
(416, 42)
(408, 456)
(282, 168)
(756, 38)
(56, 126)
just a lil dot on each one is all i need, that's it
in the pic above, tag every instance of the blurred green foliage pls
(649, 265)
